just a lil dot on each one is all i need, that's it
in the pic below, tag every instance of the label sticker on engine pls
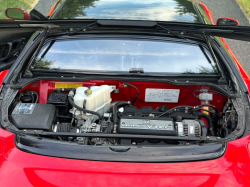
(67, 85)
(162, 95)
(24, 108)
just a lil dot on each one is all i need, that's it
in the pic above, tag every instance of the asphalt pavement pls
(43, 6)
(220, 8)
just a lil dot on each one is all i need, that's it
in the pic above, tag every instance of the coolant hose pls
(116, 105)
(83, 109)
(210, 123)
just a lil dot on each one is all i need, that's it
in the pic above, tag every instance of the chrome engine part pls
(191, 128)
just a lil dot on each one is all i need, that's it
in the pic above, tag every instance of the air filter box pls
(33, 116)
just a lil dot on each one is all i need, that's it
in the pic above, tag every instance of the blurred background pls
(237, 9)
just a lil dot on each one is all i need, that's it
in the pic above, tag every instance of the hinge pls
(222, 80)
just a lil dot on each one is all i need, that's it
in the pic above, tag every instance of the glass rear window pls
(124, 55)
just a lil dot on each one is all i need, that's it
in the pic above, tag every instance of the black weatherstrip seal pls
(60, 149)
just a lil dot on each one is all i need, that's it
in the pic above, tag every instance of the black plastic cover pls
(127, 23)
(58, 99)
(33, 116)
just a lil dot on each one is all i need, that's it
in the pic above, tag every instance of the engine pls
(91, 110)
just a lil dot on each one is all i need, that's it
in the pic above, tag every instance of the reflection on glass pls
(159, 10)
(15, 13)
(122, 55)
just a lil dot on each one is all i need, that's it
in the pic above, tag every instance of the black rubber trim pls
(127, 23)
(129, 154)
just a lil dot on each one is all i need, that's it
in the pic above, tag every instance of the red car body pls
(19, 168)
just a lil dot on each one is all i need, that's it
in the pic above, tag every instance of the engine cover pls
(145, 121)
(149, 126)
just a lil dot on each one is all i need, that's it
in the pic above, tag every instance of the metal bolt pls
(175, 80)
(35, 131)
(25, 130)
(218, 138)
(123, 122)
(187, 81)
(208, 137)
(133, 143)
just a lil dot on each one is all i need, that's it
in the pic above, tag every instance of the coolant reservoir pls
(97, 98)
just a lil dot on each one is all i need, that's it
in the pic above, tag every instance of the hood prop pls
(207, 40)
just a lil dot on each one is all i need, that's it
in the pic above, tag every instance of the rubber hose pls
(210, 123)
(37, 97)
(82, 109)
(223, 132)
(32, 98)
(138, 92)
(115, 118)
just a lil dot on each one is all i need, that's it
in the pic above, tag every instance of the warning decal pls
(162, 95)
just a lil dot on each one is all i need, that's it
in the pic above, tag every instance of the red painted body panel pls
(208, 12)
(2, 76)
(18, 168)
(52, 9)
(186, 97)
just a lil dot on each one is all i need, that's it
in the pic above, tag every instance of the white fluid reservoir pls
(98, 100)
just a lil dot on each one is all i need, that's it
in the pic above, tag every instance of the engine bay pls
(119, 107)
